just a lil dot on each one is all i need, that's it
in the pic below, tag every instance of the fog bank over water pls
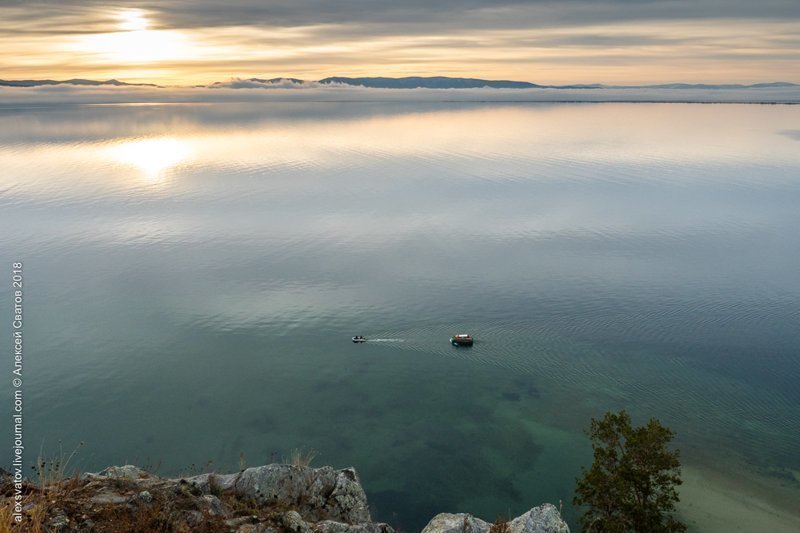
(70, 94)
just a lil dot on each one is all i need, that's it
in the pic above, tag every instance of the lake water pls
(194, 273)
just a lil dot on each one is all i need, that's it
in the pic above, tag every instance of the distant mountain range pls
(443, 82)
(412, 82)
(37, 83)
(775, 84)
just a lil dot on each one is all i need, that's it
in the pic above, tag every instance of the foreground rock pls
(318, 494)
(266, 499)
(542, 519)
(275, 498)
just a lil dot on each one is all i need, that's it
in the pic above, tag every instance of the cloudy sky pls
(543, 41)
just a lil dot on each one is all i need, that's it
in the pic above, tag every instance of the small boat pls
(461, 340)
(359, 338)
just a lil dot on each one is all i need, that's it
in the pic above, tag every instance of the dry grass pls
(35, 517)
(56, 485)
(240, 505)
(52, 482)
(6, 514)
(33, 520)
(501, 525)
(213, 485)
(300, 458)
(51, 471)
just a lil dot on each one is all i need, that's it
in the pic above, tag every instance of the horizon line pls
(294, 79)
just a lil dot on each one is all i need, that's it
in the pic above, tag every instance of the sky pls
(185, 42)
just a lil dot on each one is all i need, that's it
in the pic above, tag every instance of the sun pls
(133, 20)
(135, 42)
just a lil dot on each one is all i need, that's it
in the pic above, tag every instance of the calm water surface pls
(194, 273)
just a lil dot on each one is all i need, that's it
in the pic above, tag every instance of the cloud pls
(313, 92)
(277, 83)
(411, 14)
(569, 41)
(792, 134)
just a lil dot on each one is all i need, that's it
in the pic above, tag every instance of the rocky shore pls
(274, 498)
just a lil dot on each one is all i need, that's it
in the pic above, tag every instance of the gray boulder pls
(456, 523)
(294, 523)
(329, 526)
(212, 505)
(542, 519)
(129, 472)
(107, 496)
(315, 493)
(59, 523)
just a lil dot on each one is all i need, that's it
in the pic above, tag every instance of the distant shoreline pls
(98, 95)
(712, 501)
(407, 82)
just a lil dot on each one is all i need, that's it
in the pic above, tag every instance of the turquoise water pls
(194, 273)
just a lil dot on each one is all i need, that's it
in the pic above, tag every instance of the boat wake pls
(386, 340)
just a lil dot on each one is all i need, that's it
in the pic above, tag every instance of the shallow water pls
(194, 273)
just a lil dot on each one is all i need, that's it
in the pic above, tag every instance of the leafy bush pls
(631, 483)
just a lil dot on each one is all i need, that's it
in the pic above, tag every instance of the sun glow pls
(135, 43)
(145, 46)
(133, 20)
(153, 157)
